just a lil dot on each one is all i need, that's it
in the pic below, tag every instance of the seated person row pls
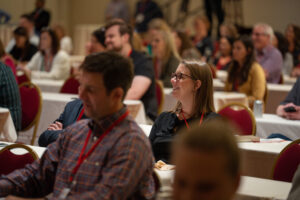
(119, 161)
(245, 75)
(49, 62)
(118, 39)
(193, 88)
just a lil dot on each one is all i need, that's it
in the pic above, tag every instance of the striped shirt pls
(10, 95)
(119, 168)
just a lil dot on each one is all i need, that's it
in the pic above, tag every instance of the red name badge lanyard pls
(186, 123)
(83, 156)
(80, 115)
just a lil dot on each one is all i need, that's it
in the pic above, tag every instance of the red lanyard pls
(130, 52)
(80, 115)
(83, 156)
(186, 123)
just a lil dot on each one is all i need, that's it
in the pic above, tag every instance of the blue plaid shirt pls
(119, 168)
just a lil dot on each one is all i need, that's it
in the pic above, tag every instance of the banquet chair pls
(241, 116)
(22, 77)
(70, 86)
(287, 162)
(160, 95)
(31, 101)
(15, 161)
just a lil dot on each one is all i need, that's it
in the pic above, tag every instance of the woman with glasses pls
(193, 88)
(49, 62)
(245, 75)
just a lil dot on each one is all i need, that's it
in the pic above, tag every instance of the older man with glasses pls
(268, 56)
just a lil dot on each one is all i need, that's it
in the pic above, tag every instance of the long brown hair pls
(203, 98)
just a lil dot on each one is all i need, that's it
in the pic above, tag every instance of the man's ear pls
(126, 37)
(197, 84)
(117, 93)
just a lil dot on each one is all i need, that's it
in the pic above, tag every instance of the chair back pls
(31, 101)
(70, 86)
(160, 96)
(281, 80)
(15, 161)
(22, 77)
(287, 162)
(241, 116)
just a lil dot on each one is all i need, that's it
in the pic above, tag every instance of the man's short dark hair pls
(124, 28)
(99, 34)
(28, 17)
(213, 135)
(117, 70)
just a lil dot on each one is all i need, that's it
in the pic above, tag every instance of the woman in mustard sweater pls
(245, 75)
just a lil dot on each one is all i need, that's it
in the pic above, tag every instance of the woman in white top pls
(49, 62)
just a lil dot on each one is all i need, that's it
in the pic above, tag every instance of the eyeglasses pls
(258, 34)
(180, 76)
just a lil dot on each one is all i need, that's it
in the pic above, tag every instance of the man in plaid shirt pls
(9, 94)
(105, 157)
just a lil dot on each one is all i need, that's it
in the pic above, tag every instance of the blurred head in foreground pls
(207, 162)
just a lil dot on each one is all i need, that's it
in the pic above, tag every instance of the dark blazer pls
(68, 117)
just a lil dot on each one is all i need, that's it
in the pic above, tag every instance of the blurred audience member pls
(281, 43)
(267, 55)
(154, 26)
(97, 43)
(224, 58)
(118, 38)
(225, 30)
(64, 40)
(166, 58)
(207, 160)
(23, 51)
(145, 11)
(290, 107)
(228, 30)
(192, 87)
(7, 59)
(214, 6)
(27, 22)
(117, 9)
(185, 46)
(245, 75)
(201, 39)
(10, 96)
(73, 112)
(41, 16)
(49, 62)
(292, 34)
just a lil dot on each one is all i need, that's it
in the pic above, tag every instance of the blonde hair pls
(203, 98)
(170, 48)
(158, 24)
